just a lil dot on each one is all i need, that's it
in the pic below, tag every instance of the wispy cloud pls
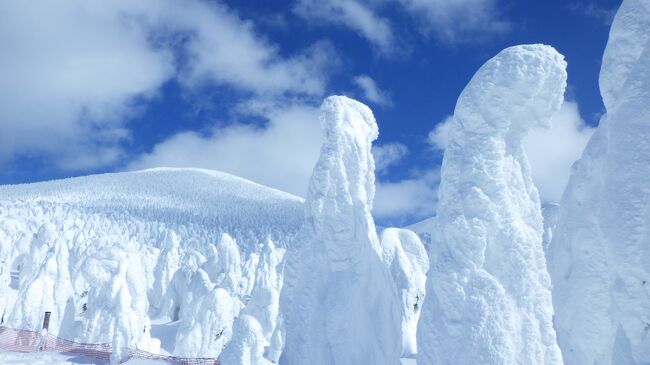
(387, 155)
(595, 11)
(458, 21)
(359, 16)
(371, 91)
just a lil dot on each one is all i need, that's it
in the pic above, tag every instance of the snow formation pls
(247, 344)
(488, 292)
(339, 303)
(408, 263)
(599, 256)
(550, 215)
(107, 254)
(117, 305)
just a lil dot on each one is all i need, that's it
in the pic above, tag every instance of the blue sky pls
(91, 87)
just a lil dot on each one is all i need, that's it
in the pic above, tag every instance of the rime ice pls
(600, 253)
(488, 292)
(339, 303)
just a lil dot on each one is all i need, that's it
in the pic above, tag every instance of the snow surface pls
(488, 292)
(599, 256)
(339, 303)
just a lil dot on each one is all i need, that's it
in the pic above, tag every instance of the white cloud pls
(551, 152)
(457, 21)
(68, 75)
(439, 136)
(73, 73)
(370, 90)
(414, 198)
(225, 48)
(280, 155)
(387, 155)
(595, 11)
(353, 14)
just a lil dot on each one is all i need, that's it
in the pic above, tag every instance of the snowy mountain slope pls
(106, 254)
(488, 297)
(599, 256)
(170, 196)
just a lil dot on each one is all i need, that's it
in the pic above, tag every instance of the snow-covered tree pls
(408, 262)
(247, 344)
(488, 297)
(117, 302)
(599, 256)
(339, 302)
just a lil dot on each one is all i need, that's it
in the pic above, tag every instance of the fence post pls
(46, 320)
(46, 326)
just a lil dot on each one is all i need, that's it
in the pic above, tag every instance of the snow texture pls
(488, 292)
(599, 257)
(339, 303)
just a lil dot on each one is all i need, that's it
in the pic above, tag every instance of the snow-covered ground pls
(49, 358)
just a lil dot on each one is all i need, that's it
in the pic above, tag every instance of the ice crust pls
(339, 303)
(599, 256)
(488, 292)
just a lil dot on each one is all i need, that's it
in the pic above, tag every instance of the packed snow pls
(488, 292)
(599, 256)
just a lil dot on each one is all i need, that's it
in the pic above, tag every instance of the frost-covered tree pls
(339, 303)
(408, 262)
(599, 256)
(264, 303)
(247, 344)
(224, 265)
(46, 283)
(488, 292)
(206, 316)
(166, 265)
(117, 302)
